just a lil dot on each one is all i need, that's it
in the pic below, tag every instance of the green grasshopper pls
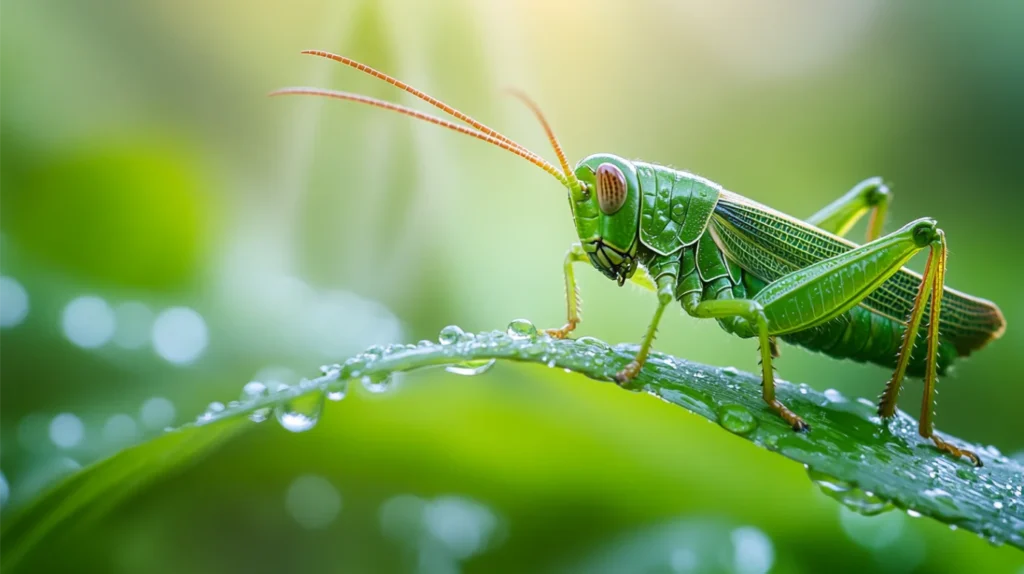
(758, 272)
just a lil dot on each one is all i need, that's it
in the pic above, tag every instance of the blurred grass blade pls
(849, 453)
(88, 495)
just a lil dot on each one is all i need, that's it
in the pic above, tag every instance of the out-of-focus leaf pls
(129, 214)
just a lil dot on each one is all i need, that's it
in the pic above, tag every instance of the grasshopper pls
(759, 272)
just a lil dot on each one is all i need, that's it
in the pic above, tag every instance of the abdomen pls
(863, 335)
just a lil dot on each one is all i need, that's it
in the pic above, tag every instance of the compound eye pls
(611, 188)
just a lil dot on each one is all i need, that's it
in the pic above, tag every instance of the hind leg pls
(931, 284)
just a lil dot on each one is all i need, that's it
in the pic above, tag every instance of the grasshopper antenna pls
(503, 144)
(416, 92)
(575, 186)
(478, 130)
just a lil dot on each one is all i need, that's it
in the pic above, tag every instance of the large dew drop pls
(470, 368)
(850, 496)
(376, 383)
(736, 419)
(300, 413)
(521, 329)
(450, 335)
(337, 389)
(595, 343)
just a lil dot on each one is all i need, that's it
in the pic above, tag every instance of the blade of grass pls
(865, 464)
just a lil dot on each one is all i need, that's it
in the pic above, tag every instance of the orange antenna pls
(503, 143)
(574, 183)
(418, 93)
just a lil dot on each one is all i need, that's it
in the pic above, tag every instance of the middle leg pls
(753, 314)
(840, 215)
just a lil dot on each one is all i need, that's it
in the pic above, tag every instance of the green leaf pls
(869, 466)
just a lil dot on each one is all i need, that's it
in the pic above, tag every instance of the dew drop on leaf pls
(470, 368)
(736, 419)
(300, 413)
(521, 329)
(593, 342)
(337, 389)
(377, 383)
(860, 501)
(450, 335)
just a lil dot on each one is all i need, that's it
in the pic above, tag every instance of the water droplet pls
(873, 532)
(374, 351)
(730, 371)
(450, 335)
(337, 389)
(470, 368)
(593, 342)
(834, 396)
(737, 419)
(860, 501)
(521, 329)
(828, 483)
(300, 413)
(254, 391)
(913, 513)
(211, 411)
(377, 383)
(966, 474)
(997, 505)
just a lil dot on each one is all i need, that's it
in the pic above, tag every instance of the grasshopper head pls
(607, 214)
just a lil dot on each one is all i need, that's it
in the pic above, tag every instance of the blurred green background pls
(168, 234)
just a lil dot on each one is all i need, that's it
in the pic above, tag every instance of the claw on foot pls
(628, 374)
(789, 416)
(562, 332)
(955, 451)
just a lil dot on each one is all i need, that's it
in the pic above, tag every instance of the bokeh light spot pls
(120, 429)
(462, 525)
(66, 430)
(134, 322)
(180, 335)
(157, 413)
(13, 302)
(754, 553)
(88, 322)
(312, 501)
